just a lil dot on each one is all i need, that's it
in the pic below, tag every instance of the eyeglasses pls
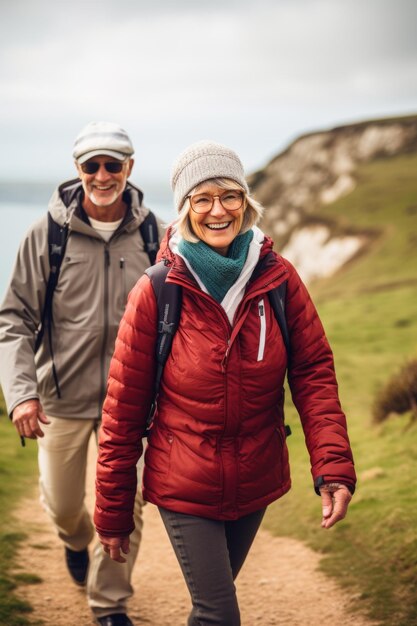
(92, 167)
(231, 200)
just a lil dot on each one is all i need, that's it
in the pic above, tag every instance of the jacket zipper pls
(106, 331)
(226, 354)
(262, 329)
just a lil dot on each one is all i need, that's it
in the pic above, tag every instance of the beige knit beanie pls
(201, 161)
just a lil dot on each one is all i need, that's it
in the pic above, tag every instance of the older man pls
(54, 394)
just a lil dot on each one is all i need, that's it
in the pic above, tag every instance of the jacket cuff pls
(322, 480)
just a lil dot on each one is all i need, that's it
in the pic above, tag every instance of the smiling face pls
(103, 190)
(218, 227)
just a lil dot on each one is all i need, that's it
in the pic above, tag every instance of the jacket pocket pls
(46, 385)
(283, 453)
(75, 285)
(262, 329)
(159, 451)
(122, 297)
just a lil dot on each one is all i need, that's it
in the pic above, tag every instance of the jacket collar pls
(65, 206)
(269, 272)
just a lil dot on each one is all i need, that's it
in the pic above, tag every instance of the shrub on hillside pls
(399, 394)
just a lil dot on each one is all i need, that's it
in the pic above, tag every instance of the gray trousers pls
(211, 554)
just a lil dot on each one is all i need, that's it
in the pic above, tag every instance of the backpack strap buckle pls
(164, 328)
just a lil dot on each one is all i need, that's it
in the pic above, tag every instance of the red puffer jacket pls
(217, 447)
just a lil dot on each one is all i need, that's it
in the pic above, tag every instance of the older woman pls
(217, 454)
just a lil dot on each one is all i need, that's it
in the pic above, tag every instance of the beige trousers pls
(62, 456)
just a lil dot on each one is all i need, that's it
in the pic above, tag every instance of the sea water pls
(15, 219)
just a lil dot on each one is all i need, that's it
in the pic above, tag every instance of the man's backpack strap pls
(57, 241)
(277, 299)
(169, 301)
(149, 231)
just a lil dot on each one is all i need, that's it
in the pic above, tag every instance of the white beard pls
(99, 201)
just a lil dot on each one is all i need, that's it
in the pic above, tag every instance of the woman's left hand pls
(335, 500)
(114, 546)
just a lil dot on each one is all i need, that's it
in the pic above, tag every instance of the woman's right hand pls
(114, 546)
(335, 499)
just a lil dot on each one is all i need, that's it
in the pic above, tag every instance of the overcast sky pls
(251, 74)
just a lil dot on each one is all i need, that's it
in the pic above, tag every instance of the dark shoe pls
(77, 563)
(115, 619)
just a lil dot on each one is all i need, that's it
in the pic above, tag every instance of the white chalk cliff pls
(315, 170)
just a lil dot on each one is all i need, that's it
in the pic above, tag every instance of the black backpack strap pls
(57, 241)
(277, 299)
(149, 231)
(169, 301)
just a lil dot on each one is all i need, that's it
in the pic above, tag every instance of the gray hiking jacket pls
(88, 303)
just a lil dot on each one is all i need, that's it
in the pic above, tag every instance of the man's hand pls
(335, 500)
(114, 546)
(26, 417)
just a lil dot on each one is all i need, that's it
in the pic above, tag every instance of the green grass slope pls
(369, 310)
(18, 476)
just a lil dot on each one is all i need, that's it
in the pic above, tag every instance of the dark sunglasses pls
(112, 167)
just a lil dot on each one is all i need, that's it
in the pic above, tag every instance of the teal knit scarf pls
(217, 272)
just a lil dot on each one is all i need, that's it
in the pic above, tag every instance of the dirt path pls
(279, 585)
